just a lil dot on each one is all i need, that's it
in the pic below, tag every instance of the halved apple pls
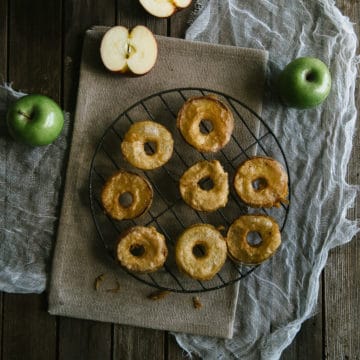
(164, 8)
(132, 51)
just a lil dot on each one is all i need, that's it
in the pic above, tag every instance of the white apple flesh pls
(164, 8)
(132, 51)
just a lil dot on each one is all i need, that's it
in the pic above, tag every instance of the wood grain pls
(34, 66)
(35, 46)
(29, 332)
(342, 303)
(84, 339)
(308, 344)
(79, 16)
(81, 339)
(180, 22)
(132, 343)
(175, 352)
(3, 78)
(48, 36)
(3, 40)
(130, 13)
(342, 285)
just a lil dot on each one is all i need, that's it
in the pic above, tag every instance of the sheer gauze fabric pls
(276, 298)
(30, 180)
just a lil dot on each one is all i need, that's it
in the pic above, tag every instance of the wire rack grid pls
(168, 213)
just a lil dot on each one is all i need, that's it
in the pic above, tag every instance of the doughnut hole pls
(254, 239)
(150, 147)
(206, 183)
(199, 250)
(147, 145)
(126, 199)
(259, 184)
(137, 250)
(206, 126)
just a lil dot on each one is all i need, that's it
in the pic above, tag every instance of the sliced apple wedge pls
(164, 8)
(132, 51)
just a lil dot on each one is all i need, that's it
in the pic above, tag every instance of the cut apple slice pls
(182, 4)
(133, 51)
(142, 50)
(164, 8)
(113, 49)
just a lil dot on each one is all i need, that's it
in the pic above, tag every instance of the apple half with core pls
(35, 120)
(133, 51)
(304, 83)
(164, 8)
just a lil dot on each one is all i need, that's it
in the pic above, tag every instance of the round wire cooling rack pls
(168, 212)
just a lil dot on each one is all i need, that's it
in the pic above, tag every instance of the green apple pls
(304, 83)
(35, 120)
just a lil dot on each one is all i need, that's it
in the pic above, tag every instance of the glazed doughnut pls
(271, 179)
(209, 108)
(239, 248)
(208, 263)
(198, 198)
(142, 249)
(141, 133)
(135, 186)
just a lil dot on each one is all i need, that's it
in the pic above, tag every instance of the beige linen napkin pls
(79, 255)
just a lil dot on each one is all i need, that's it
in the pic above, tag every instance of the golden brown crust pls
(203, 267)
(198, 198)
(273, 182)
(239, 248)
(126, 182)
(153, 249)
(140, 133)
(208, 108)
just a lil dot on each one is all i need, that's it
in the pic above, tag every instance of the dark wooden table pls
(41, 44)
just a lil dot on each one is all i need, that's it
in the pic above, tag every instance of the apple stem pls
(24, 114)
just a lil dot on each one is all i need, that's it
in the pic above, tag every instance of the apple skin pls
(35, 120)
(304, 83)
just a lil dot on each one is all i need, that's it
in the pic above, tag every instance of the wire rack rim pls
(230, 99)
(193, 291)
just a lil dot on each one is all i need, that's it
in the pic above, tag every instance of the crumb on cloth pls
(196, 302)
(157, 295)
(99, 279)
(99, 285)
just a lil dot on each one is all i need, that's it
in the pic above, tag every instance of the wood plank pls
(81, 339)
(308, 343)
(3, 40)
(79, 16)
(132, 342)
(28, 330)
(342, 310)
(84, 339)
(34, 66)
(130, 13)
(180, 22)
(342, 291)
(174, 351)
(35, 46)
(3, 78)
(1, 323)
